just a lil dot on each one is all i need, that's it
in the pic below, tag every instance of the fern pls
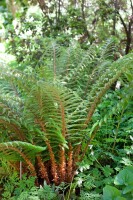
(108, 49)
(45, 124)
(93, 62)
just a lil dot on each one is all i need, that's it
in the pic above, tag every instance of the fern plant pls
(45, 125)
(82, 68)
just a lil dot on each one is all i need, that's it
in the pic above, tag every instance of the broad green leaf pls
(129, 168)
(124, 177)
(110, 193)
(128, 189)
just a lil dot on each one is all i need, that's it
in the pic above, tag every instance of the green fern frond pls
(13, 150)
(91, 65)
(83, 65)
(69, 58)
(108, 49)
(54, 111)
(105, 81)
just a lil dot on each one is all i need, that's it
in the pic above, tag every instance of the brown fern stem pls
(53, 164)
(76, 156)
(42, 170)
(14, 166)
(69, 176)
(62, 112)
(98, 98)
(62, 165)
(52, 157)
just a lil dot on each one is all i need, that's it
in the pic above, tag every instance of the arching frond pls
(91, 65)
(16, 149)
(104, 82)
(108, 49)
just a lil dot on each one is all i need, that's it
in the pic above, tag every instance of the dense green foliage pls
(125, 181)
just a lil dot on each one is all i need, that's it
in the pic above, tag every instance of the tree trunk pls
(129, 38)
